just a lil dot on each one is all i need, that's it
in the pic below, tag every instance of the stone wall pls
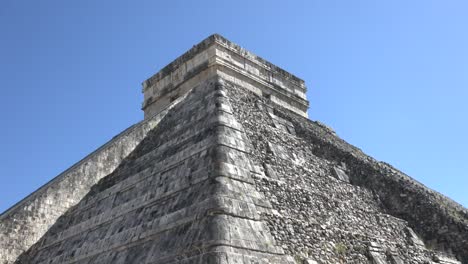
(333, 204)
(184, 195)
(26, 222)
(228, 176)
(227, 169)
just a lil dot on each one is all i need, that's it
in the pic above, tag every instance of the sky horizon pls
(389, 78)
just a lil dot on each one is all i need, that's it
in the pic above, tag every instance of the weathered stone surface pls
(445, 260)
(414, 239)
(216, 56)
(321, 214)
(340, 174)
(23, 224)
(184, 195)
(226, 169)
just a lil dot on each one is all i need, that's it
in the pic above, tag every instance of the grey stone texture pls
(23, 224)
(216, 56)
(333, 203)
(226, 168)
(184, 195)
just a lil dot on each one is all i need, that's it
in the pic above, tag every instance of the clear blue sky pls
(391, 77)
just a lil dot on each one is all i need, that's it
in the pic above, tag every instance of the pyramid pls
(227, 168)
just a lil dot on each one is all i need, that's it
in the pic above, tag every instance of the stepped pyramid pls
(227, 168)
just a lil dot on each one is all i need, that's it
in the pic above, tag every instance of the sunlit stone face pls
(218, 56)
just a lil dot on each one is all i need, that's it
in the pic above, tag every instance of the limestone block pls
(340, 174)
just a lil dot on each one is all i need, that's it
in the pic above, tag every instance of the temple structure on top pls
(218, 56)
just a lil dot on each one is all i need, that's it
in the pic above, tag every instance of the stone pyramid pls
(227, 168)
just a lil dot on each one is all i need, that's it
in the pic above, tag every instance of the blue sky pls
(391, 77)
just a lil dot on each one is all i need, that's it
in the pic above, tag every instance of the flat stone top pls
(220, 40)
